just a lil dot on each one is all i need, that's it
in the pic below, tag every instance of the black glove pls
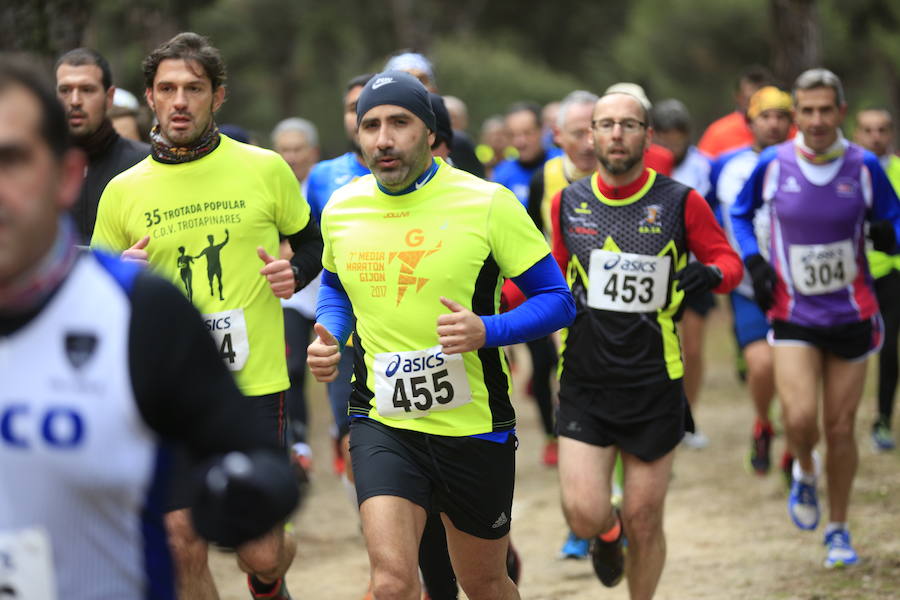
(764, 277)
(242, 496)
(697, 277)
(882, 235)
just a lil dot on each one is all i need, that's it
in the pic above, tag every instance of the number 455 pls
(419, 389)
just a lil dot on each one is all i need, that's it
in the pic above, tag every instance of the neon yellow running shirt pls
(205, 219)
(458, 237)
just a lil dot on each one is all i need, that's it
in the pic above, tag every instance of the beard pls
(621, 165)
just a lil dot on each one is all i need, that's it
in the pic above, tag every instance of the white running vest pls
(77, 461)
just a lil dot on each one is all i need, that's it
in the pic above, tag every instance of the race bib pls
(624, 282)
(229, 331)
(26, 565)
(822, 268)
(409, 385)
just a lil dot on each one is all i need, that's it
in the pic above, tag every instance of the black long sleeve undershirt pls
(307, 246)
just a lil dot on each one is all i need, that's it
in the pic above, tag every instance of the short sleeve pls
(327, 253)
(516, 243)
(109, 231)
(291, 209)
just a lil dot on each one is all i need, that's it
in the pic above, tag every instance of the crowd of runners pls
(166, 284)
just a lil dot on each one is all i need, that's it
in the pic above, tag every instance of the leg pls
(393, 527)
(888, 291)
(434, 561)
(798, 370)
(480, 565)
(296, 332)
(584, 481)
(190, 555)
(693, 325)
(646, 485)
(844, 382)
(543, 359)
(760, 377)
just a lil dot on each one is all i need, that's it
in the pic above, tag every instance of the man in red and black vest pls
(622, 238)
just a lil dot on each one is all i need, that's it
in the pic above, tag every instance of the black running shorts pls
(272, 409)
(469, 479)
(851, 341)
(647, 421)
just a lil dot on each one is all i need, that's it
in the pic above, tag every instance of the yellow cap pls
(768, 98)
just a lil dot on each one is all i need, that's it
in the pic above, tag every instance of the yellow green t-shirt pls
(457, 236)
(881, 263)
(205, 219)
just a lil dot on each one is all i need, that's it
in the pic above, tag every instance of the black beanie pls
(444, 131)
(397, 88)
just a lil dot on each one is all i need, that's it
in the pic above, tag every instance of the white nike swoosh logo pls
(378, 84)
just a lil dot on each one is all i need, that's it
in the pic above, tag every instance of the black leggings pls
(543, 361)
(887, 289)
(434, 560)
(297, 330)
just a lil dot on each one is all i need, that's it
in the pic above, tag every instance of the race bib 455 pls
(410, 384)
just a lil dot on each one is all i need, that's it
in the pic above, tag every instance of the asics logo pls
(382, 81)
(393, 366)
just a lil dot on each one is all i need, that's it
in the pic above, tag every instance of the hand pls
(279, 273)
(697, 278)
(323, 355)
(882, 235)
(137, 253)
(764, 277)
(461, 330)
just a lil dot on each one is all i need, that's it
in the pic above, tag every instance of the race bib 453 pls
(624, 282)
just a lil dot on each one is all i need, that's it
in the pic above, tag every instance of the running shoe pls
(840, 552)
(695, 441)
(882, 440)
(608, 558)
(803, 504)
(760, 445)
(575, 547)
(551, 453)
(279, 590)
(513, 564)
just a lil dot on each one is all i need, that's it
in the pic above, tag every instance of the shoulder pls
(363, 187)
(249, 154)
(134, 174)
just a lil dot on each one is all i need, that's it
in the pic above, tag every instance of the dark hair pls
(532, 107)
(358, 81)
(86, 56)
(25, 71)
(671, 115)
(756, 74)
(187, 46)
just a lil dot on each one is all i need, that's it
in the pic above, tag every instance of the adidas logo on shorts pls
(501, 521)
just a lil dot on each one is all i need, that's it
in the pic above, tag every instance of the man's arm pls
(708, 243)
(307, 260)
(748, 201)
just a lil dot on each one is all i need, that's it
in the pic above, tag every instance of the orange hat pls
(768, 98)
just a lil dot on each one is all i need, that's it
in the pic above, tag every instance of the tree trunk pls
(797, 41)
(46, 28)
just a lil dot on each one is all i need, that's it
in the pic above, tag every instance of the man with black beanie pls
(84, 86)
(417, 252)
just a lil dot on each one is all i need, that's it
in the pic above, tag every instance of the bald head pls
(618, 101)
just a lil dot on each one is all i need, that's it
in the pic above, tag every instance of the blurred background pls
(293, 57)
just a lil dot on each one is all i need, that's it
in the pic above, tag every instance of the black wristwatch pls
(297, 281)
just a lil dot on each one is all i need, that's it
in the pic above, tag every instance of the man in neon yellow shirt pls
(875, 132)
(205, 197)
(418, 251)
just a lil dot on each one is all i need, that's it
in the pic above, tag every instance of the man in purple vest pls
(819, 191)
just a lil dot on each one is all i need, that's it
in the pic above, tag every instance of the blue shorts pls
(750, 324)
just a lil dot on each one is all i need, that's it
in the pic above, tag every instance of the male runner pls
(672, 130)
(420, 249)
(732, 131)
(195, 190)
(819, 190)
(769, 112)
(875, 132)
(523, 122)
(84, 86)
(622, 238)
(100, 363)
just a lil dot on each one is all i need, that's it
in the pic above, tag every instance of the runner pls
(769, 112)
(875, 132)
(656, 157)
(84, 86)
(444, 438)
(297, 141)
(819, 190)
(195, 190)
(622, 237)
(523, 122)
(100, 361)
(733, 130)
(672, 129)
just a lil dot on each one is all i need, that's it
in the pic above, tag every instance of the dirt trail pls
(729, 535)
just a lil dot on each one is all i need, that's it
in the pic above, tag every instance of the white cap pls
(125, 99)
(632, 89)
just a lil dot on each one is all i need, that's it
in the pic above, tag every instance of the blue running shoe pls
(575, 547)
(840, 552)
(803, 505)
(882, 440)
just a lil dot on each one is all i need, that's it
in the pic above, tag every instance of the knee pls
(583, 517)
(800, 421)
(839, 429)
(485, 587)
(263, 558)
(391, 584)
(643, 523)
(189, 551)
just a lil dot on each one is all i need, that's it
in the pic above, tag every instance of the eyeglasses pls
(628, 125)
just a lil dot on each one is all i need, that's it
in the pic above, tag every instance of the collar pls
(163, 151)
(625, 191)
(831, 154)
(420, 181)
(97, 143)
